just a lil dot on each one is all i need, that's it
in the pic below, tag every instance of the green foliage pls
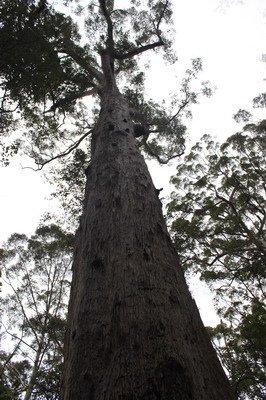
(242, 350)
(34, 75)
(50, 64)
(218, 222)
(31, 70)
(14, 376)
(36, 275)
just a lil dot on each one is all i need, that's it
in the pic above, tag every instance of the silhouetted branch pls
(74, 96)
(64, 153)
(158, 158)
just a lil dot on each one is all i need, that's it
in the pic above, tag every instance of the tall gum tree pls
(134, 331)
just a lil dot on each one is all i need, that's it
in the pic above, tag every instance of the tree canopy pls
(50, 62)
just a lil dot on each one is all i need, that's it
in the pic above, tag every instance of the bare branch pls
(8, 281)
(11, 355)
(64, 153)
(158, 158)
(181, 108)
(160, 19)
(13, 335)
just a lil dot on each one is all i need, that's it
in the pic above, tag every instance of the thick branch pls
(74, 96)
(138, 50)
(73, 52)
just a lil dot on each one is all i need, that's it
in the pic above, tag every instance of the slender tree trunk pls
(35, 370)
(134, 332)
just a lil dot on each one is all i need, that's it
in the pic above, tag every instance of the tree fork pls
(134, 331)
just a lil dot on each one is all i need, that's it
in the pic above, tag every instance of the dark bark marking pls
(117, 201)
(125, 120)
(159, 228)
(143, 285)
(156, 330)
(146, 256)
(152, 393)
(173, 297)
(87, 170)
(127, 130)
(117, 334)
(90, 392)
(111, 127)
(98, 203)
(73, 334)
(97, 263)
(172, 381)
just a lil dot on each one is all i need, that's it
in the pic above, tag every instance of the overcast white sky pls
(230, 40)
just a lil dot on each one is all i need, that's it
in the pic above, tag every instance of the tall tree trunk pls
(134, 332)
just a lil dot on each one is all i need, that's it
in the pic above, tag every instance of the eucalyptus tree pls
(134, 330)
(36, 278)
(218, 214)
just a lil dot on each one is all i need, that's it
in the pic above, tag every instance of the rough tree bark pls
(134, 331)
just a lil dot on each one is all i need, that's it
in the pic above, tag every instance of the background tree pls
(133, 328)
(36, 274)
(218, 224)
(258, 102)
